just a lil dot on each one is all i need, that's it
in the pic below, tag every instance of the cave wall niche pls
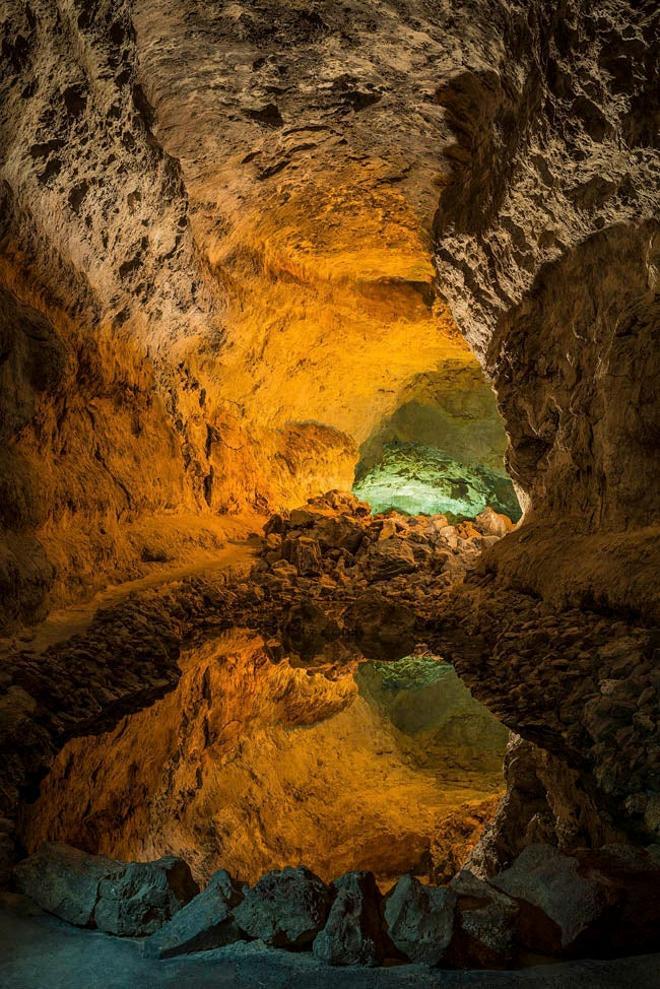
(441, 450)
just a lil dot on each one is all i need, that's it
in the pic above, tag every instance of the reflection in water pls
(251, 765)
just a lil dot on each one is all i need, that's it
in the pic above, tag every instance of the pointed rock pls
(353, 934)
(204, 923)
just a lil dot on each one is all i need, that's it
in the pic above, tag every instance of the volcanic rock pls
(420, 919)
(285, 909)
(144, 895)
(557, 903)
(353, 934)
(389, 558)
(484, 935)
(65, 881)
(203, 923)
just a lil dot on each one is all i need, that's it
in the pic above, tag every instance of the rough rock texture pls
(65, 881)
(548, 886)
(420, 920)
(549, 261)
(486, 927)
(211, 265)
(205, 922)
(285, 909)
(129, 899)
(589, 903)
(143, 896)
(215, 251)
(353, 933)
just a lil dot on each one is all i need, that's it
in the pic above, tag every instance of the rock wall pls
(217, 241)
(547, 250)
(546, 246)
(208, 215)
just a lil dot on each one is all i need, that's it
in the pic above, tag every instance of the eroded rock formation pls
(238, 243)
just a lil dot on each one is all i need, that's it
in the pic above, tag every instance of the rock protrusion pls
(485, 928)
(420, 920)
(129, 899)
(65, 881)
(557, 903)
(143, 896)
(206, 922)
(353, 934)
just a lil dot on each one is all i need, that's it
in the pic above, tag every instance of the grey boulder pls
(485, 928)
(205, 922)
(285, 909)
(143, 896)
(557, 903)
(353, 934)
(420, 919)
(65, 881)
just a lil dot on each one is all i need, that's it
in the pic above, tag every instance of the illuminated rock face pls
(234, 237)
(223, 260)
(252, 766)
(422, 480)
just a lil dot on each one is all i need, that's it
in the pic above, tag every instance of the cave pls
(328, 494)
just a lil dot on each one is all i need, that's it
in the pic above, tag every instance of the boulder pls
(388, 558)
(301, 518)
(304, 554)
(65, 881)
(276, 523)
(205, 922)
(144, 895)
(420, 919)
(485, 927)
(339, 532)
(353, 934)
(286, 908)
(557, 903)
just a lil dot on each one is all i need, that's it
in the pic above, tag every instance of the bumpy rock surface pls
(485, 930)
(65, 881)
(129, 899)
(205, 922)
(143, 896)
(543, 878)
(285, 909)
(353, 933)
(217, 226)
(420, 920)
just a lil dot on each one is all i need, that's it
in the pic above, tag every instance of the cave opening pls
(441, 451)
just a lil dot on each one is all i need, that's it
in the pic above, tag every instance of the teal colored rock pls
(422, 480)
